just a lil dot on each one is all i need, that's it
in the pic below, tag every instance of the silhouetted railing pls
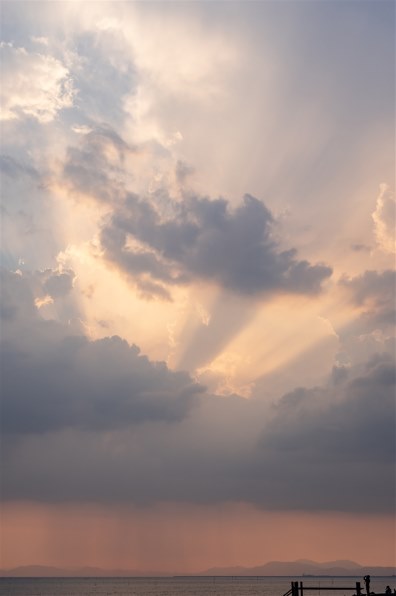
(298, 590)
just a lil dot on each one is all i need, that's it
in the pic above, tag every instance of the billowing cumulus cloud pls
(204, 238)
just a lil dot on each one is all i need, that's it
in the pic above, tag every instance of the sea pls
(185, 586)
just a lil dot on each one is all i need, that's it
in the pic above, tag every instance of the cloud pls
(33, 84)
(104, 73)
(360, 247)
(94, 167)
(374, 292)
(204, 239)
(69, 381)
(158, 241)
(384, 218)
(32, 286)
(101, 385)
(14, 168)
(338, 439)
(59, 283)
(346, 418)
(97, 421)
(320, 450)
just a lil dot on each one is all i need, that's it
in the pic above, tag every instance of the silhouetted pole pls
(358, 589)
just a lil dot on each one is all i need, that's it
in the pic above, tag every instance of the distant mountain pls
(338, 563)
(275, 568)
(304, 567)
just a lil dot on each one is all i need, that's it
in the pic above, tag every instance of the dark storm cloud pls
(53, 380)
(97, 421)
(206, 239)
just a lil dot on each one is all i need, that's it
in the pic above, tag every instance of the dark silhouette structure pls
(297, 589)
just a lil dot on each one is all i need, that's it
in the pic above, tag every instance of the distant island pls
(306, 567)
(299, 568)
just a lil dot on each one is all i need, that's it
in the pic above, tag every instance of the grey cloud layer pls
(94, 420)
(348, 418)
(205, 239)
(91, 385)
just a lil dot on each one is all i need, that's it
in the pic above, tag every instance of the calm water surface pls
(225, 586)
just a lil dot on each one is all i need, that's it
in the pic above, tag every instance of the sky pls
(197, 283)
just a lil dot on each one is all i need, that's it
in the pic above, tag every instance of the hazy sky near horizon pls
(198, 282)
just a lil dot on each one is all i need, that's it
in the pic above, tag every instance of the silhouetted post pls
(294, 588)
(301, 589)
(358, 589)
